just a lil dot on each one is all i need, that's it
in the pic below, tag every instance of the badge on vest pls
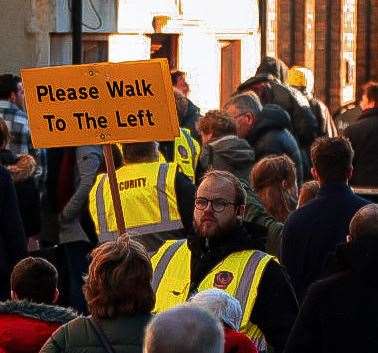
(223, 279)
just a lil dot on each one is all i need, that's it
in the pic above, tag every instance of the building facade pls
(218, 46)
(334, 38)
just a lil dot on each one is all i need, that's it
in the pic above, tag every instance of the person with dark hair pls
(267, 130)
(29, 319)
(16, 118)
(314, 230)
(179, 82)
(340, 312)
(363, 137)
(161, 194)
(13, 245)
(220, 253)
(184, 329)
(120, 299)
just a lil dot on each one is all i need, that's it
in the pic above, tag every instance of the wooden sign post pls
(103, 103)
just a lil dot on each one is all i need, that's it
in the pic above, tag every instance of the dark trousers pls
(76, 262)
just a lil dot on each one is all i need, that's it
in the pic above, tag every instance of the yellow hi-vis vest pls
(187, 151)
(148, 199)
(239, 274)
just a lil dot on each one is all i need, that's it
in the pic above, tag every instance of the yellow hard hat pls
(297, 77)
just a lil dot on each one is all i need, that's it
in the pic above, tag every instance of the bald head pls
(365, 222)
(184, 329)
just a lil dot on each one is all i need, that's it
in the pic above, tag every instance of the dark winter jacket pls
(269, 85)
(363, 135)
(26, 326)
(340, 313)
(26, 190)
(12, 236)
(228, 153)
(125, 334)
(314, 230)
(275, 308)
(271, 135)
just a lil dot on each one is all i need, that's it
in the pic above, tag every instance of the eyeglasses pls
(239, 115)
(217, 205)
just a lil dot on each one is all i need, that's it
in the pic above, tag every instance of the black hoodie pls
(340, 313)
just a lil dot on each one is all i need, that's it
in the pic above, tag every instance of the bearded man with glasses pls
(220, 254)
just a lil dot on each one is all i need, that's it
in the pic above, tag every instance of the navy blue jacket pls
(313, 231)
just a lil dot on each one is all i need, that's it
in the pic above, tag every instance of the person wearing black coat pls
(269, 84)
(12, 237)
(314, 230)
(271, 135)
(340, 313)
(363, 137)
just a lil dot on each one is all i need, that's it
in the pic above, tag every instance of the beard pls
(210, 228)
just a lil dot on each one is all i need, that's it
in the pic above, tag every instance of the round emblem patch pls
(183, 152)
(223, 279)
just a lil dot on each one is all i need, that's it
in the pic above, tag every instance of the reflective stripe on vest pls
(171, 280)
(192, 147)
(187, 164)
(165, 224)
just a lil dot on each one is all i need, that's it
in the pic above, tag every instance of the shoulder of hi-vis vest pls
(187, 151)
(148, 200)
(239, 274)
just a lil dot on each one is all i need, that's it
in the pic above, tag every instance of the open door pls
(230, 69)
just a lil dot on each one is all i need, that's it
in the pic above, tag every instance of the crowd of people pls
(253, 231)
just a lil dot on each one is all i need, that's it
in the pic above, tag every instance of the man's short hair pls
(175, 75)
(35, 279)
(371, 91)
(332, 158)
(8, 84)
(182, 104)
(119, 280)
(218, 123)
(365, 222)
(184, 329)
(139, 152)
(247, 102)
(240, 193)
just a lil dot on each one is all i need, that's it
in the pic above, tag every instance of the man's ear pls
(240, 212)
(56, 296)
(13, 97)
(349, 172)
(314, 174)
(14, 295)
(251, 118)
(349, 238)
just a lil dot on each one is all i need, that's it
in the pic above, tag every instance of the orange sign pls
(101, 103)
